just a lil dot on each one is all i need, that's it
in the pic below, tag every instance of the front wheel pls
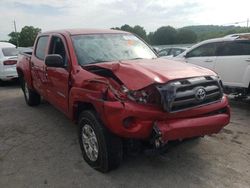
(100, 148)
(32, 98)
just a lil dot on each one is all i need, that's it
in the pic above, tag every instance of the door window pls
(203, 50)
(233, 48)
(41, 47)
(57, 47)
(10, 51)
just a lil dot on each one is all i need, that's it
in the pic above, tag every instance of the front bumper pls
(190, 127)
(136, 121)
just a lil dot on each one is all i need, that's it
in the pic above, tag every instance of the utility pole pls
(247, 22)
(16, 33)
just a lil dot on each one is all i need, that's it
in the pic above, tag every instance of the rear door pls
(204, 55)
(58, 78)
(38, 66)
(232, 62)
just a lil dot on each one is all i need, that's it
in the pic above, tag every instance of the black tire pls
(109, 146)
(31, 97)
(2, 83)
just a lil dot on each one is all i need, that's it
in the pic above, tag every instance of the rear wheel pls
(32, 98)
(101, 149)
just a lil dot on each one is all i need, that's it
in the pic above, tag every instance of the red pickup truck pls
(113, 85)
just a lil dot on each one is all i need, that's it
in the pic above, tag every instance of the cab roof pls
(85, 31)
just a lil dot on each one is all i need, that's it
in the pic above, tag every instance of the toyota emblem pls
(200, 94)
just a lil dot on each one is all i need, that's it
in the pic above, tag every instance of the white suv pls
(228, 56)
(8, 60)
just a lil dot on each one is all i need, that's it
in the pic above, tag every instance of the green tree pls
(116, 28)
(28, 35)
(14, 37)
(127, 28)
(185, 36)
(138, 30)
(151, 37)
(164, 35)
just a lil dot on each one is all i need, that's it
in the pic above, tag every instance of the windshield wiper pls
(136, 58)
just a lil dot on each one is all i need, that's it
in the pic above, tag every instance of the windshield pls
(10, 51)
(110, 47)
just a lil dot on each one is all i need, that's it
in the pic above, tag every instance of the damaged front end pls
(116, 90)
(160, 112)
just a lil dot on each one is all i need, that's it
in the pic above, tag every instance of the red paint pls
(66, 88)
(137, 74)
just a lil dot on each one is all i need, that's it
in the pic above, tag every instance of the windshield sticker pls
(130, 37)
(130, 42)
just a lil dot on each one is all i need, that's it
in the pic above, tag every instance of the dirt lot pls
(39, 148)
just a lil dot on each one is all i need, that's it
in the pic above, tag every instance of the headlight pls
(144, 96)
(138, 96)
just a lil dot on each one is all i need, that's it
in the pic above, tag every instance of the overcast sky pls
(151, 14)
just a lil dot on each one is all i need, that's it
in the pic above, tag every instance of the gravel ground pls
(39, 148)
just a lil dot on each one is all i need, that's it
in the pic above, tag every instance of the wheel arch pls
(80, 106)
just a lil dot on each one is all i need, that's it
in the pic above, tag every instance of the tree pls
(127, 28)
(164, 35)
(150, 37)
(116, 28)
(138, 30)
(185, 36)
(26, 37)
(14, 37)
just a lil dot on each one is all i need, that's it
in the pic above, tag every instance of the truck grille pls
(190, 93)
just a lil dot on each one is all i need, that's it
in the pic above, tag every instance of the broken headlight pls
(147, 95)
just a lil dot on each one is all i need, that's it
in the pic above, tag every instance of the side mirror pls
(54, 60)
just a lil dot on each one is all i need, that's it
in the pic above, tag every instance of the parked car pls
(171, 52)
(8, 61)
(229, 57)
(114, 86)
(237, 35)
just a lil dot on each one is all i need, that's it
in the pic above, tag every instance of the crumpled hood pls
(137, 74)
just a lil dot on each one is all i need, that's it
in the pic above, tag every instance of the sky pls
(151, 14)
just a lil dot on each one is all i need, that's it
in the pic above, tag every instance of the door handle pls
(248, 60)
(208, 60)
(32, 64)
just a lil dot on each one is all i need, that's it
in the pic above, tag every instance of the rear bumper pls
(8, 74)
(138, 121)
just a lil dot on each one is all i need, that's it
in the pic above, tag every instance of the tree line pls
(162, 36)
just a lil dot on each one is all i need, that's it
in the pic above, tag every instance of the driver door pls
(58, 78)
